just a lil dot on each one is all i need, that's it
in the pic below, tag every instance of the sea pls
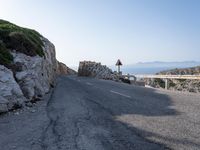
(137, 70)
(144, 71)
(151, 68)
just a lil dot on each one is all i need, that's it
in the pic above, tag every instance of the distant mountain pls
(181, 64)
(156, 66)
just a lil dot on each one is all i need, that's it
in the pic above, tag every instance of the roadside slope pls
(175, 84)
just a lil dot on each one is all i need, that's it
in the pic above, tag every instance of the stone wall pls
(96, 70)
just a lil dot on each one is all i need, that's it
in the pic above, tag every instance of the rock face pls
(64, 70)
(36, 74)
(96, 70)
(3, 104)
(10, 93)
(28, 66)
(179, 85)
(30, 80)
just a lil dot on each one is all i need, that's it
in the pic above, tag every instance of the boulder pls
(11, 95)
(64, 70)
(3, 105)
(37, 74)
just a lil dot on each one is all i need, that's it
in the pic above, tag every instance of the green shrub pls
(172, 84)
(5, 56)
(23, 44)
(160, 82)
(23, 40)
(182, 80)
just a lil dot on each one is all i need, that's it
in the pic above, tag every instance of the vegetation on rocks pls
(5, 56)
(13, 37)
(178, 84)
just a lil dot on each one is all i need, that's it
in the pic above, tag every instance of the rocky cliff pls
(96, 70)
(179, 85)
(64, 70)
(28, 66)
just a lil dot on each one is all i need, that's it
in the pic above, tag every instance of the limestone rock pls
(64, 70)
(37, 73)
(96, 70)
(3, 105)
(10, 92)
(28, 66)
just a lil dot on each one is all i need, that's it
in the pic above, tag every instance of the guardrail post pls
(166, 84)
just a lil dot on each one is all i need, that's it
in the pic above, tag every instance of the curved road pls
(90, 114)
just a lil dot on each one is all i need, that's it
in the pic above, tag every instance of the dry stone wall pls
(96, 70)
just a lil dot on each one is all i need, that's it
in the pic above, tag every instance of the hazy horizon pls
(103, 31)
(150, 67)
(149, 62)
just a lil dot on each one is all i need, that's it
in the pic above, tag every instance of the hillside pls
(156, 66)
(28, 66)
(183, 71)
(180, 85)
(13, 37)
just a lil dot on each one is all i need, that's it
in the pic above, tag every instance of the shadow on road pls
(144, 102)
(97, 116)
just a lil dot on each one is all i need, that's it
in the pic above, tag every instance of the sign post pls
(119, 63)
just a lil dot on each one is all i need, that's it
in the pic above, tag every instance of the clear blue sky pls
(105, 30)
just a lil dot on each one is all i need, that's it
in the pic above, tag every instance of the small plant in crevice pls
(5, 57)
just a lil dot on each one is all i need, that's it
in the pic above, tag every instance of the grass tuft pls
(13, 37)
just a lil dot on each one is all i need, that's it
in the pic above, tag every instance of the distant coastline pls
(148, 70)
(155, 67)
(151, 67)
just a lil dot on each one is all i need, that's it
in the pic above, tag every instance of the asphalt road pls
(90, 114)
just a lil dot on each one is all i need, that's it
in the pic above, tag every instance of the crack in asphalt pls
(77, 134)
(51, 126)
(86, 117)
(76, 116)
(53, 122)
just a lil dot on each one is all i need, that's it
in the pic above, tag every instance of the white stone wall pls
(96, 70)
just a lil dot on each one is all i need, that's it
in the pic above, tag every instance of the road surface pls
(90, 114)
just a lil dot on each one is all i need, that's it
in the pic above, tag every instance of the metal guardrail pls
(129, 76)
(165, 77)
(190, 77)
